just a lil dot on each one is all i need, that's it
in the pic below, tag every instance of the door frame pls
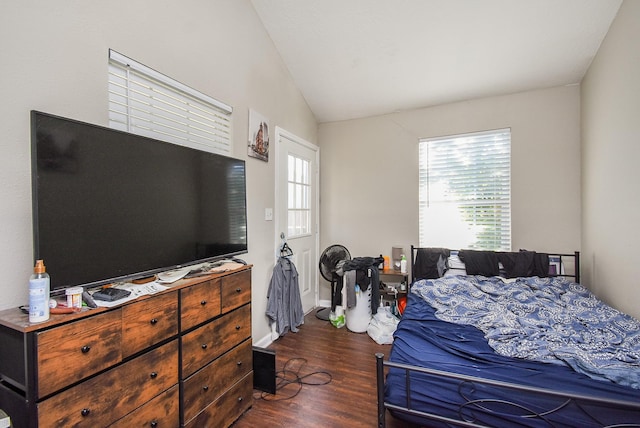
(280, 169)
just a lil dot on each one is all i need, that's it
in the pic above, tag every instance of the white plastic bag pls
(337, 318)
(382, 326)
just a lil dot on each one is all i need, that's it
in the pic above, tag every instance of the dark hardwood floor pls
(349, 400)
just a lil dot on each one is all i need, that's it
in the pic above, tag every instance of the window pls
(299, 195)
(465, 191)
(145, 102)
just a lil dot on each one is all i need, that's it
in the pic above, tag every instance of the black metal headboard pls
(560, 258)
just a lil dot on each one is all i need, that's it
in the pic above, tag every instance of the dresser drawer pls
(148, 322)
(161, 412)
(236, 290)
(199, 303)
(71, 352)
(226, 409)
(208, 342)
(109, 396)
(213, 380)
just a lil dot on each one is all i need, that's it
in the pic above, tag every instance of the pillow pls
(456, 267)
(455, 262)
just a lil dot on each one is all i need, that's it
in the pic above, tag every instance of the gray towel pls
(350, 283)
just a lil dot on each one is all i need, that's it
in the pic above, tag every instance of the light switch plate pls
(268, 214)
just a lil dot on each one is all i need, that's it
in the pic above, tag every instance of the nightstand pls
(394, 278)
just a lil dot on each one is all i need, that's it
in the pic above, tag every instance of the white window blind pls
(465, 191)
(145, 102)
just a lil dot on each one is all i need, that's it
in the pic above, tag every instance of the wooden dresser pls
(181, 357)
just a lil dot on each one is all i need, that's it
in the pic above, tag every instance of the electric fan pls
(329, 260)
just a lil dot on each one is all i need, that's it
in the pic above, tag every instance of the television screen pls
(110, 206)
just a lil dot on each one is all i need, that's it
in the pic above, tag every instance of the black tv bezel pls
(133, 275)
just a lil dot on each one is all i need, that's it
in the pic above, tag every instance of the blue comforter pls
(422, 339)
(542, 319)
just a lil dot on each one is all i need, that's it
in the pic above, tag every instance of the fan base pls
(323, 313)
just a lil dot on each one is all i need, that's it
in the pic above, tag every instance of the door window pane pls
(299, 196)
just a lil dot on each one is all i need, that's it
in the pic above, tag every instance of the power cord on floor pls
(291, 376)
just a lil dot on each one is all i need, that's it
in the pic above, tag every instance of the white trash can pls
(357, 318)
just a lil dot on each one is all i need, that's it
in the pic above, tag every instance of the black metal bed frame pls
(469, 384)
(468, 404)
(561, 256)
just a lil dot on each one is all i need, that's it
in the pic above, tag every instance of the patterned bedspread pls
(543, 319)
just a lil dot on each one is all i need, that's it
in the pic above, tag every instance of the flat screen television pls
(111, 206)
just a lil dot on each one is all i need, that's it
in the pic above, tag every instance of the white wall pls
(53, 58)
(369, 180)
(610, 156)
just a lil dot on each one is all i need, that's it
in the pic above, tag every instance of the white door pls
(297, 209)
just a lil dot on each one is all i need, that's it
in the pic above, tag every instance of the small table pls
(396, 274)
(393, 276)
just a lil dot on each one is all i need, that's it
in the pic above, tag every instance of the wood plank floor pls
(349, 400)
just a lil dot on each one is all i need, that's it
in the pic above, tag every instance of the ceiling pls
(360, 58)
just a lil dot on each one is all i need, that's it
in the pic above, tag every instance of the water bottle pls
(39, 294)
(403, 264)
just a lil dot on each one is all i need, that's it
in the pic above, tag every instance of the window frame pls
(476, 163)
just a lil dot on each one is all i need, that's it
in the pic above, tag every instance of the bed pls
(469, 349)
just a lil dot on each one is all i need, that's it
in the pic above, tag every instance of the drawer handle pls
(239, 363)
(204, 302)
(85, 412)
(205, 388)
(154, 321)
(240, 399)
(154, 424)
(153, 375)
(85, 349)
(204, 346)
(238, 290)
(238, 327)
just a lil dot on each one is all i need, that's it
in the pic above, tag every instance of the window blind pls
(465, 191)
(145, 102)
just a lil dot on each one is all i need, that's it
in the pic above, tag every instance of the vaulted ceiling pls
(359, 58)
